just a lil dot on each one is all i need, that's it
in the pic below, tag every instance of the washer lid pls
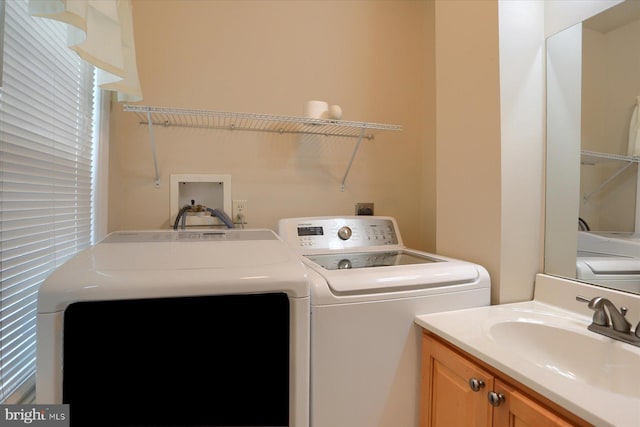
(343, 261)
(609, 243)
(348, 273)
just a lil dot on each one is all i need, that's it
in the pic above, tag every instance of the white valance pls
(101, 32)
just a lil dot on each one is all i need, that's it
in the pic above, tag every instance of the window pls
(47, 146)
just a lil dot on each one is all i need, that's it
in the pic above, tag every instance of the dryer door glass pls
(194, 361)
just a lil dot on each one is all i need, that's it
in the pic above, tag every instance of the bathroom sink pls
(549, 349)
(573, 352)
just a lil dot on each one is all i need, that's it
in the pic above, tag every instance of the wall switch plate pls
(239, 211)
(364, 208)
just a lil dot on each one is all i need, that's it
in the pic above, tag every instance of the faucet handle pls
(599, 315)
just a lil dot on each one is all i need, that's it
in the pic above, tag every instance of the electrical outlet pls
(364, 208)
(239, 211)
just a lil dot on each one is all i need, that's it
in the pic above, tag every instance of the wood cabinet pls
(517, 409)
(457, 388)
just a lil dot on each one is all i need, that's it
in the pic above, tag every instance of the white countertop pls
(471, 330)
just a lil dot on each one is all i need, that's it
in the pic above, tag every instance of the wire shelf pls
(181, 117)
(593, 157)
(255, 122)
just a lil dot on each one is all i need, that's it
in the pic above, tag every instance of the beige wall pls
(377, 60)
(564, 82)
(468, 133)
(610, 87)
(373, 58)
(562, 14)
(522, 84)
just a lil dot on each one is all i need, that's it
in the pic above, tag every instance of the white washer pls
(625, 244)
(366, 289)
(177, 328)
(609, 258)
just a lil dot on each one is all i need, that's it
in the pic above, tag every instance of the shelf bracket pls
(353, 156)
(607, 181)
(153, 150)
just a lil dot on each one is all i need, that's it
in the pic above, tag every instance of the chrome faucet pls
(608, 321)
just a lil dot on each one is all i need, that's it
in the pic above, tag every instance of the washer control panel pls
(334, 233)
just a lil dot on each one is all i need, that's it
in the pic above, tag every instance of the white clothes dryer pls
(366, 289)
(173, 328)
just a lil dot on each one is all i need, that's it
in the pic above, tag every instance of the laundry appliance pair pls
(310, 326)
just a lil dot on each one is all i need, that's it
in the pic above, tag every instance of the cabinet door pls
(447, 399)
(518, 410)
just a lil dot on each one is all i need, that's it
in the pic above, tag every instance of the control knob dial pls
(344, 264)
(344, 233)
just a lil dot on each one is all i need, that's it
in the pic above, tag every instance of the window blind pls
(46, 149)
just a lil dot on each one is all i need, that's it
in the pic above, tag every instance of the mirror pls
(592, 231)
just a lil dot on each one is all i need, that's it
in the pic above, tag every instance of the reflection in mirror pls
(593, 149)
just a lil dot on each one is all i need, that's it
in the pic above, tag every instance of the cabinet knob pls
(495, 398)
(476, 384)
